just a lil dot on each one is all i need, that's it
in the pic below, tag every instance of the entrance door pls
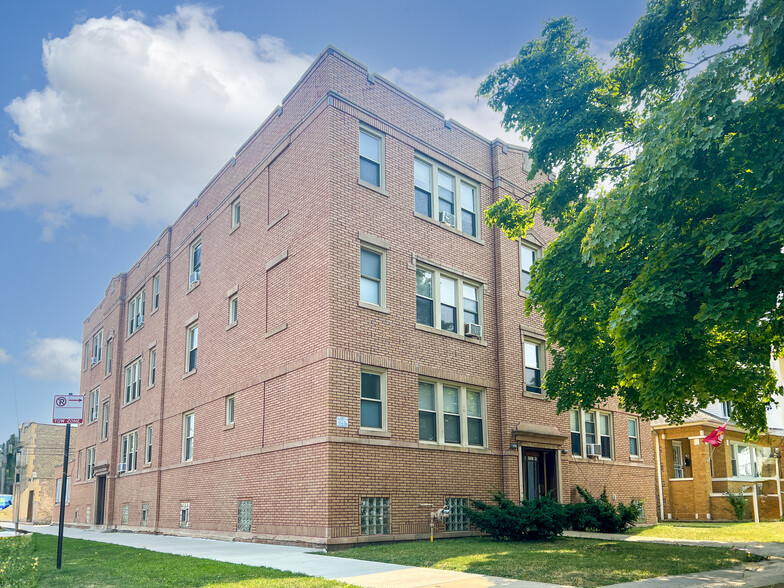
(539, 473)
(100, 499)
(677, 459)
(30, 506)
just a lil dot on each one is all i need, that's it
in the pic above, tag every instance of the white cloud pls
(455, 96)
(136, 118)
(5, 357)
(53, 360)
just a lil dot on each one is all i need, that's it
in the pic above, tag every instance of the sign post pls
(67, 409)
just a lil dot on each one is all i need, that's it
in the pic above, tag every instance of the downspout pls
(659, 478)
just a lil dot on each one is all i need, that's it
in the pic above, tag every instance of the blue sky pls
(115, 116)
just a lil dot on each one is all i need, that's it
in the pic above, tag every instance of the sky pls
(114, 117)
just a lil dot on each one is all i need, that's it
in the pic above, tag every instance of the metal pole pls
(62, 497)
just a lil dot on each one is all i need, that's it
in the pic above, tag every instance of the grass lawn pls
(576, 562)
(30, 561)
(771, 532)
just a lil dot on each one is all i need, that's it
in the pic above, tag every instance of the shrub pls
(738, 504)
(600, 514)
(538, 519)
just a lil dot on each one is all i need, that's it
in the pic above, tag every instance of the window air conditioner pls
(194, 277)
(593, 449)
(473, 330)
(93, 360)
(121, 468)
(446, 217)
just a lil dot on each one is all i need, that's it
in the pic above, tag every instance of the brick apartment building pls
(329, 340)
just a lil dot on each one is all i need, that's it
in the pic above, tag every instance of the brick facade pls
(293, 360)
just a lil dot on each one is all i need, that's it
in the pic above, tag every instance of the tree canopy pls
(664, 285)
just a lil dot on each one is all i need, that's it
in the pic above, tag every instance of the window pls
(534, 358)
(372, 399)
(105, 421)
(726, 409)
(107, 370)
(148, 445)
(455, 200)
(233, 309)
(87, 510)
(457, 521)
(59, 490)
(576, 432)
(185, 514)
(371, 158)
(124, 520)
(528, 255)
(136, 313)
(86, 357)
(451, 414)
(79, 464)
(76, 515)
(244, 512)
(187, 437)
(145, 514)
(192, 347)
(230, 410)
(372, 272)
(459, 301)
(677, 460)
(156, 292)
(97, 347)
(92, 410)
(746, 461)
(153, 362)
(235, 214)
(128, 446)
(634, 438)
(89, 464)
(133, 381)
(590, 428)
(605, 434)
(195, 263)
(374, 515)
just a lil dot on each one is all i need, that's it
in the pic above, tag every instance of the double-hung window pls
(744, 460)
(575, 427)
(89, 464)
(454, 201)
(128, 446)
(192, 342)
(92, 414)
(528, 255)
(148, 445)
(235, 214)
(372, 399)
(133, 381)
(153, 366)
(371, 157)
(451, 414)
(136, 313)
(234, 304)
(97, 347)
(448, 302)
(108, 365)
(187, 437)
(590, 428)
(230, 410)
(605, 434)
(372, 271)
(156, 292)
(534, 361)
(195, 263)
(634, 437)
(105, 421)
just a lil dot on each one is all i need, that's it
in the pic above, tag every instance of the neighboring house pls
(39, 453)
(329, 343)
(694, 477)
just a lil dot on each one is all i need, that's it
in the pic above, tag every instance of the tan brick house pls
(329, 340)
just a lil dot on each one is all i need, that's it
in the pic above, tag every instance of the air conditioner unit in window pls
(446, 217)
(139, 321)
(194, 277)
(121, 468)
(593, 449)
(93, 360)
(473, 330)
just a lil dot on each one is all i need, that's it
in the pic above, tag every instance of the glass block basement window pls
(374, 515)
(244, 509)
(457, 521)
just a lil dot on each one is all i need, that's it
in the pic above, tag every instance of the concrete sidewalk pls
(301, 560)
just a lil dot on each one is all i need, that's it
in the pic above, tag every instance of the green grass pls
(90, 564)
(733, 532)
(576, 562)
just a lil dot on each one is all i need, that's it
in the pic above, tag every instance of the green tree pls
(664, 284)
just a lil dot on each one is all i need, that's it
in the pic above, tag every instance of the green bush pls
(738, 504)
(531, 520)
(600, 514)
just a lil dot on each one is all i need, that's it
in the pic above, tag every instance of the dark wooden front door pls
(539, 473)
(100, 499)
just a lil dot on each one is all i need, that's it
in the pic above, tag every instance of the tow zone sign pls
(68, 410)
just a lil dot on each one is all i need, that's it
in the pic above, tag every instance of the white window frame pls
(108, 365)
(105, 420)
(382, 374)
(526, 247)
(152, 368)
(59, 490)
(542, 358)
(609, 415)
(236, 211)
(129, 446)
(735, 449)
(459, 195)
(230, 407)
(382, 157)
(726, 409)
(188, 436)
(191, 347)
(79, 465)
(185, 508)
(461, 282)
(678, 472)
(86, 356)
(92, 409)
(597, 434)
(382, 281)
(576, 429)
(636, 437)
(234, 303)
(194, 270)
(148, 445)
(97, 348)
(156, 292)
(136, 312)
(89, 463)
(132, 390)
(462, 408)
